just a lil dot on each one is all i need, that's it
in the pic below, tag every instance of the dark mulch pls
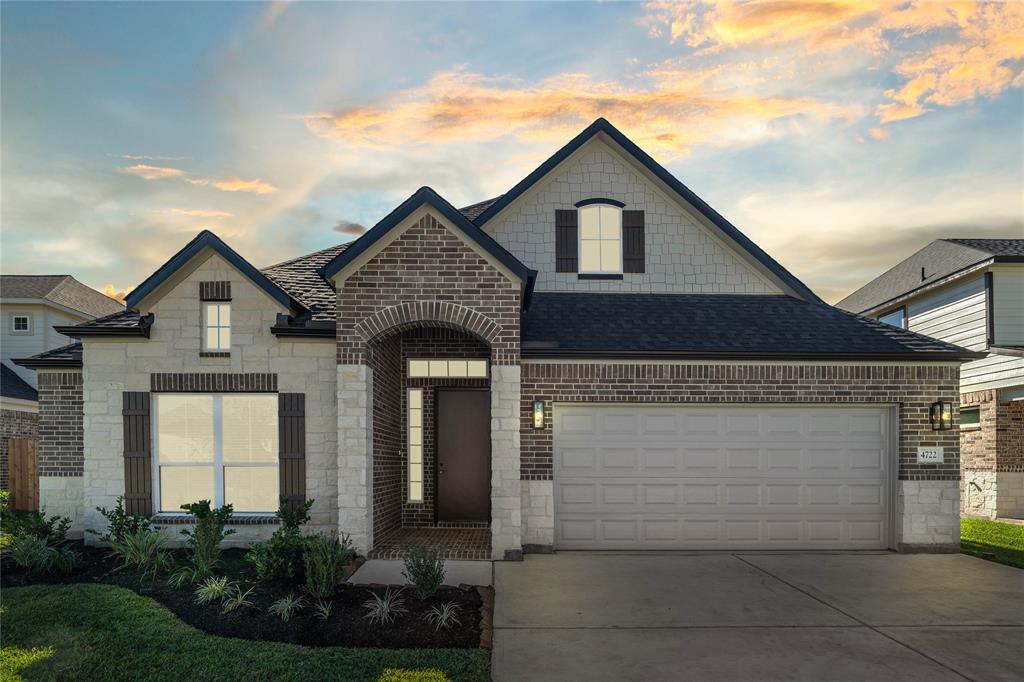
(347, 625)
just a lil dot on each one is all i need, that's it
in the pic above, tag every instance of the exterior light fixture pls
(538, 414)
(940, 414)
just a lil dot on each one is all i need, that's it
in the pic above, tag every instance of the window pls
(896, 318)
(600, 239)
(21, 324)
(217, 327)
(215, 447)
(420, 368)
(970, 417)
(415, 444)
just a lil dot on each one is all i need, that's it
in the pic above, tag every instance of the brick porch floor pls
(451, 543)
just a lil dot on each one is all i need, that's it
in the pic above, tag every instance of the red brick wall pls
(1010, 436)
(999, 444)
(61, 451)
(913, 387)
(14, 424)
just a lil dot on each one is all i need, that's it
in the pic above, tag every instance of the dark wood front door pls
(463, 455)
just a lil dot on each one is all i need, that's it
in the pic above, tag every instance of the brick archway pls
(417, 314)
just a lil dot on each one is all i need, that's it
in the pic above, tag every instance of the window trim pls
(580, 207)
(447, 374)
(890, 312)
(28, 322)
(970, 427)
(409, 499)
(207, 326)
(218, 454)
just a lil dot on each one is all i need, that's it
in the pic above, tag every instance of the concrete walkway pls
(863, 616)
(389, 572)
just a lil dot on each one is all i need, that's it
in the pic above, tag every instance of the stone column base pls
(538, 515)
(64, 496)
(928, 516)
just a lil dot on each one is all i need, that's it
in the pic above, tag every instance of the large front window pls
(600, 239)
(216, 447)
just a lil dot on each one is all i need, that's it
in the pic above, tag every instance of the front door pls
(463, 455)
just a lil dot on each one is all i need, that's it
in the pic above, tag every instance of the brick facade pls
(384, 358)
(14, 424)
(60, 424)
(992, 482)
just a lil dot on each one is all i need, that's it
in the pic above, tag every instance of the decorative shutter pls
(138, 453)
(291, 441)
(632, 241)
(566, 241)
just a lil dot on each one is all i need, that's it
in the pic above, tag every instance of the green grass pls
(103, 632)
(1002, 542)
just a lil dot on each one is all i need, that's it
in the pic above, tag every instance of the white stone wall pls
(244, 535)
(978, 497)
(63, 496)
(355, 455)
(928, 513)
(538, 513)
(1010, 498)
(506, 488)
(682, 255)
(112, 366)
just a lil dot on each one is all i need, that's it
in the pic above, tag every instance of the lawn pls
(1001, 542)
(104, 632)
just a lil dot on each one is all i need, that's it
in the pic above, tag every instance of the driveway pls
(758, 616)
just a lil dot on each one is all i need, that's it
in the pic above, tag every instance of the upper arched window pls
(600, 251)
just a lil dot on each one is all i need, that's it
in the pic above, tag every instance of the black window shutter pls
(138, 453)
(632, 241)
(291, 441)
(566, 241)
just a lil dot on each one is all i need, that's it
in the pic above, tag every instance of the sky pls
(840, 136)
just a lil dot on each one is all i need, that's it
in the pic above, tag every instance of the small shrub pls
(36, 556)
(384, 609)
(120, 523)
(236, 599)
(286, 606)
(292, 517)
(213, 589)
(323, 609)
(204, 540)
(53, 530)
(325, 559)
(424, 568)
(142, 549)
(443, 616)
(281, 557)
(184, 575)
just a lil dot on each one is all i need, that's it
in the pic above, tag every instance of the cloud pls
(113, 292)
(201, 213)
(239, 185)
(349, 227)
(148, 172)
(272, 11)
(147, 157)
(879, 133)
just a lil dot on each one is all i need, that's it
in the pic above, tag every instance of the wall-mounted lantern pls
(940, 414)
(538, 414)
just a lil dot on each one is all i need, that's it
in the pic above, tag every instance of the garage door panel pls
(693, 478)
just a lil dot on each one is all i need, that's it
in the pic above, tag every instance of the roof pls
(301, 278)
(714, 326)
(124, 323)
(65, 356)
(62, 290)
(13, 386)
(426, 195)
(685, 193)
(474, 211)
(935, 262)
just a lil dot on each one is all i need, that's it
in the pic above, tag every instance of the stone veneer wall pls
(115, 365)
(992, 484)
(14, 424)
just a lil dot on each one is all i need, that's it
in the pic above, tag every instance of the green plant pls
(323, 609)
(213, 589)
(443, 616)
(120, 523)
(142, 549)
(325, 559)
(184, 575)
(35, 523)
(384, 609)
(293, 516)
(281, 557)
(424, 568)
(236, 599)
(286, 606)
(36, 556)
(204, 540)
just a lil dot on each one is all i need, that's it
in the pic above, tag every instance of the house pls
(30, 306)
(596, 359)
(969, 292)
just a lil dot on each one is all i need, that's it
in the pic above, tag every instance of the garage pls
(649, 477)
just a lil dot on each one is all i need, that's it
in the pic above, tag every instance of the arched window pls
(600, 239)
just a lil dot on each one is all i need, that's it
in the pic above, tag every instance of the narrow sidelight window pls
(415, 444)
(600, 239)
(217, 327)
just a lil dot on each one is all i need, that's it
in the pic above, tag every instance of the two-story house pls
(596, 359)
(969, 292)
(30, 307)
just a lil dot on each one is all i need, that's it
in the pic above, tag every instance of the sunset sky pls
(841, 136)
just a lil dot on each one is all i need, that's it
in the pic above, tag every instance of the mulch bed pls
(347, 625)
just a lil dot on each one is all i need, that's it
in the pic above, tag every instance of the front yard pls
(1000, 542)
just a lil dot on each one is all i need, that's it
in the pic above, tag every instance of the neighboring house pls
(30, 307)
(594, 360)
(969, 292)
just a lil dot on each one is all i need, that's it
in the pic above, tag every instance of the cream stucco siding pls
(112, 366)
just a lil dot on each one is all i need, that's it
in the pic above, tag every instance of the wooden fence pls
(24, 479)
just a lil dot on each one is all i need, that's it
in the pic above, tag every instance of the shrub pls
(36, 556)
(53, 530)
(281, 557)
(384, 609)
(292, 517)
(204, 540)
(142, 549)
(443, 616)
(236, 599)
(323, 609)
(120, 523)
(424, 568)
(325, 559)
(213, 589)
(286, 606)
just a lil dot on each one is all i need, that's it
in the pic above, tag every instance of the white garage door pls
(675, 477)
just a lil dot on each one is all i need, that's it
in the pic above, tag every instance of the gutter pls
(77, 331)
(574, 353)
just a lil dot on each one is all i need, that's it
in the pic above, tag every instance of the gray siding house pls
(596, 359)
(969, 292)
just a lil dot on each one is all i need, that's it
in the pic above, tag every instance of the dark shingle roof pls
(13, 386)
(474, 211)
(722, 325)
(126, 319)
(63, 290)
(938, 260)
(65, 356)
(300, 277)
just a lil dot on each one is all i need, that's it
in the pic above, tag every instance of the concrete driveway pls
(759, 616)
